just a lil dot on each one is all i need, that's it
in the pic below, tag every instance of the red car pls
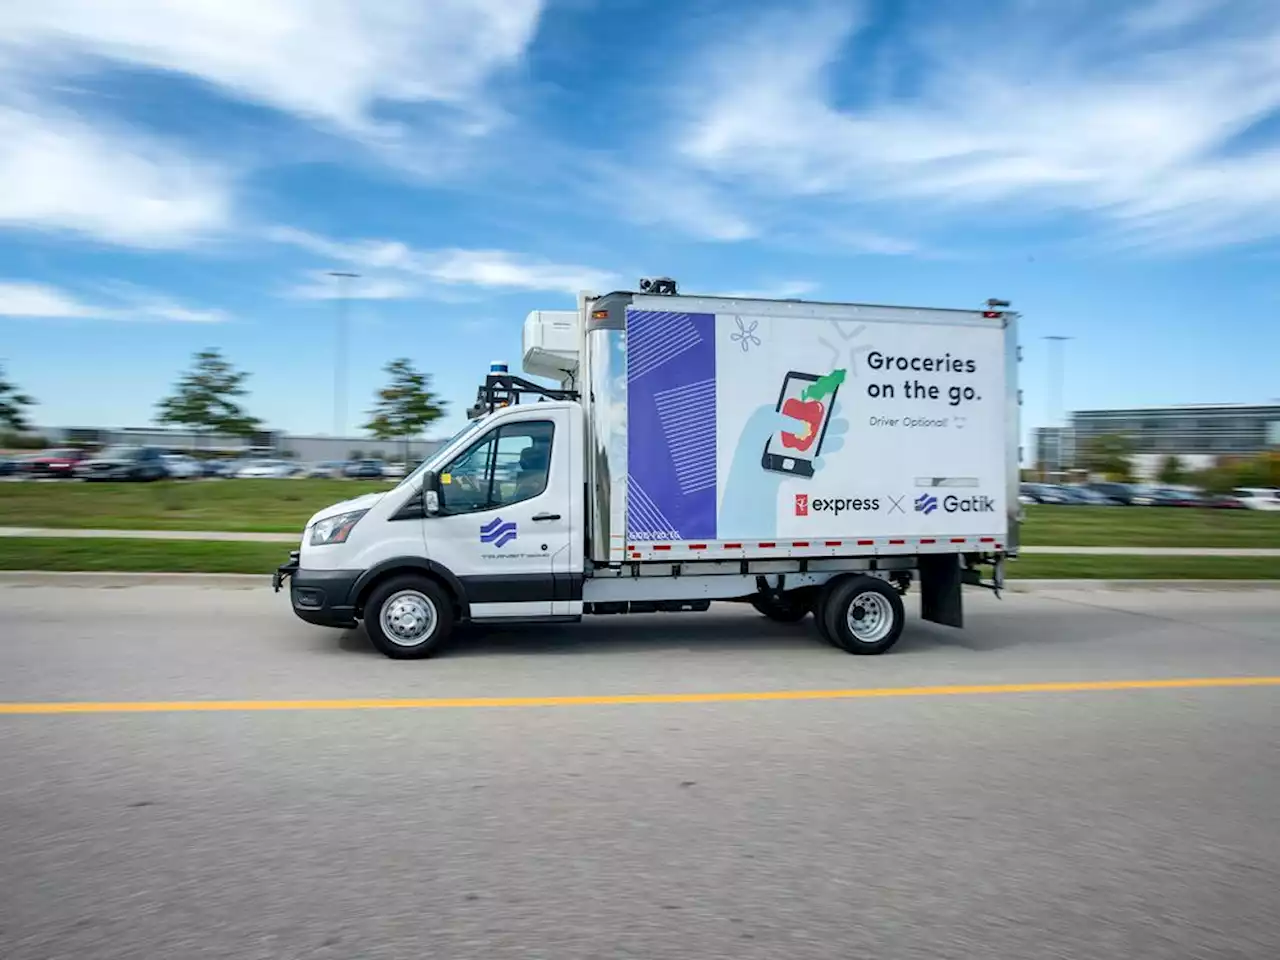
(56, 463)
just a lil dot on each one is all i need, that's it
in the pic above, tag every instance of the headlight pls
(335, 529)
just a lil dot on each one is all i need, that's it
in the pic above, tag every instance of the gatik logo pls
(497, 532)
(836, 505)
(975, 504)
(926, 503)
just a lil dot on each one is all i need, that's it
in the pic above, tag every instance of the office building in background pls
(1197, 434)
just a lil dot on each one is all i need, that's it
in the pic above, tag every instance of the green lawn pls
(263, 506)
(283, 506)
(1148, 527)
(188, 556)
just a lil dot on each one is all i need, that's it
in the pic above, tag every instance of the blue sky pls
(178, 176)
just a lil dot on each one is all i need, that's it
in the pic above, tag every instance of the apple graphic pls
(809, 413)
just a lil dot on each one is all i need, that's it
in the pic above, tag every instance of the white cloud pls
(670, 198)
(334, 61)
(390, 269)
(408, 78)
(35, 300)
(498, 268)
(40, 301)
(60, 172)
(1144, 135)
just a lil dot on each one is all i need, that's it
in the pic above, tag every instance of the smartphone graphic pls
(805, 403)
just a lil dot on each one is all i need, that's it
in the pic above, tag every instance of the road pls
(1050, 824)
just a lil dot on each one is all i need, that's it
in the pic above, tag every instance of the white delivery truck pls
(803, 457)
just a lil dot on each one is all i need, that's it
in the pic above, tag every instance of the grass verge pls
(260, 506)
(195, 556)
(283, 506)
(1058, 526)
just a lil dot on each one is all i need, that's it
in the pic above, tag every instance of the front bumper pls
(323, 597)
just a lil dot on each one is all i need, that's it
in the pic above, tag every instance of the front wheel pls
(408, 617)
(863, 615)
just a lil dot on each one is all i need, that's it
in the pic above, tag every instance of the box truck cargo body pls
(804, 457)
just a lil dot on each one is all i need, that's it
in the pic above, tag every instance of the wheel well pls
(384, 575)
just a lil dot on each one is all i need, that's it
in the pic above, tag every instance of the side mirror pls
(430, 496)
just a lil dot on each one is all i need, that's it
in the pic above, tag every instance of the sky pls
(175, 177)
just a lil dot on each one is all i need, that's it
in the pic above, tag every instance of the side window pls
(504, 467)
(464, 483)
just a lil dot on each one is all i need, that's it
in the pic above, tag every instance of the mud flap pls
(940, 596)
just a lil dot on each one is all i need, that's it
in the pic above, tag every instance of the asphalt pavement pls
(1018, 822)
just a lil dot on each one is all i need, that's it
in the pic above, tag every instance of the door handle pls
(537, 518)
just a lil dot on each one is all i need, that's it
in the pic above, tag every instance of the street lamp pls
(340, 357)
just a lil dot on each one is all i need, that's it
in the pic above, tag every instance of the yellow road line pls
(433, 703)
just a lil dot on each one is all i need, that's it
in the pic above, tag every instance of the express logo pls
(837, 505)
(497, 532)
(926, 503)
(802, 504)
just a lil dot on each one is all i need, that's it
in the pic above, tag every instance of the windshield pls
(436, 458)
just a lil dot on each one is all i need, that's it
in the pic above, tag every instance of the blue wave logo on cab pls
(498, 532)
(926, 503)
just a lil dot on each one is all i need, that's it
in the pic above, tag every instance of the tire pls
(879, 624)
(820, 606)
(787, 608)
(394, 615)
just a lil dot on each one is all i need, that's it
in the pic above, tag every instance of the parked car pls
(366, 470)
(394, 471)
(182, 467)
(8, 466)
(266, 470)
(1223, 501)
(1043, 493)
(1084, 497)
(1120, 493)
(1258, 498)
(1170, 498)
(327, 468)
(219, 469)
(124, 463)
(58, 464)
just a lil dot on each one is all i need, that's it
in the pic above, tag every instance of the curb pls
(245, 581)
(209, 536)
(1095, 586)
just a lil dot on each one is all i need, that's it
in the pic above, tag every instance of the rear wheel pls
(784, 608)
(408, 617)
(863, 615)
(820, 606)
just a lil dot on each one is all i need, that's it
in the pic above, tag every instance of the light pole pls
(340, 355)
(1055, 395)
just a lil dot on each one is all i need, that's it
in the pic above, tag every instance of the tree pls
(11, 406)
(356, 454)
(1109, 455)
(405, 406)
(1172, 471)
(205, 398)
